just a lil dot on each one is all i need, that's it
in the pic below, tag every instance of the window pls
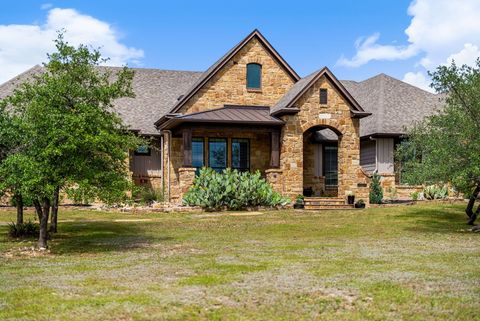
(197, 154)
(217, 153)
(330, 165)
(241, 154)
(143, 150)
(254, 76)
(323, 96)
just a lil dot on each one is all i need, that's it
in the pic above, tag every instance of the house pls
(250, 110)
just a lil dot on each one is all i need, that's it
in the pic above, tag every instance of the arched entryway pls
(321, 161)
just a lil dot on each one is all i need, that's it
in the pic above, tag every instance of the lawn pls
(400, 263)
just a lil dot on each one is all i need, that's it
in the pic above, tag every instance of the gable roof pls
(287, 102)
(155, 91)
(210, 72)
(394, 104)
(229, 114)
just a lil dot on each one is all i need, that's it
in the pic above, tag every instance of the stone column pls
(274, 177)
(186, 176)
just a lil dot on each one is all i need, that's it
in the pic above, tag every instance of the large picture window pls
(197, 153)
(241, 154)
(254, 76)
(217, 153)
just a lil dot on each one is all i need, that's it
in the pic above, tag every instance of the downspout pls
(376, 153)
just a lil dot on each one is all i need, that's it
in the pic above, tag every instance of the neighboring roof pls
(207, 75)
(155, 91)
(296, 92)
(394, 104)
(229, 114)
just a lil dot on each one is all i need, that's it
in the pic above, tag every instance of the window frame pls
(323, 93)
(202, 139)
(241, 169)
(147, 153)
(260, 76)
(218, 169)
(324, 161)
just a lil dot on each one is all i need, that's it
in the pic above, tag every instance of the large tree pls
(70, 135)
(445, 148)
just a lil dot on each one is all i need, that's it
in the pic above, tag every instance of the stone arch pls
(321, 160)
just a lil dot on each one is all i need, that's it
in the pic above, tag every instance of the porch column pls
(275, 149)
(187, 147)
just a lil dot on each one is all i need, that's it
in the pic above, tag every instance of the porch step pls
(324, 203)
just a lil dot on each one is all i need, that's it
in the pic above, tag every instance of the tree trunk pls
(45, 211)
(38, 209)
(474, 216)
(471, 201)
(19, 204)
(53, 220)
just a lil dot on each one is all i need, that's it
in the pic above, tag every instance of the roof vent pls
(180, 97)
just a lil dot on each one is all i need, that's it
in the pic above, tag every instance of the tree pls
(70, 134)
(445, 147)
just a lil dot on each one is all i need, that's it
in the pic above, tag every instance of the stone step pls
(324, 201)
(330, 207)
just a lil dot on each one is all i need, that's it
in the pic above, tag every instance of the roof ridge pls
(213, 69)
(20, 75)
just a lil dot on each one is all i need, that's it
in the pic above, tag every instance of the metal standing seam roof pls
(229, 114)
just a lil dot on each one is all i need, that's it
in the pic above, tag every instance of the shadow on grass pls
(440, 219)
(97, 237)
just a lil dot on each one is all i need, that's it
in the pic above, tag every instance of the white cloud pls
(467, 56)
(440, 30)
(23, 46)
(418, 79)
(368, 49)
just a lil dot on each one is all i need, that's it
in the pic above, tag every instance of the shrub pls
(149, 195)
(433, 192)
(415, 196)
(232, 190)
(376, 191)
(28, 229)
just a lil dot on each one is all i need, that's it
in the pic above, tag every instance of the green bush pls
(231, 190)
(28, 229)
(149, 195)
(415, 195)
(433, 192)
(376, 191)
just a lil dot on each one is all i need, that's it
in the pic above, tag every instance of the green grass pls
(400, 263)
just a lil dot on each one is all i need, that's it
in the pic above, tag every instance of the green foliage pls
(433, 192)
(392, 193)
(415, 195)
(28, 229)
(148, 195)
(232, 190)
(376, 190)
(58, 128)
(445, 147)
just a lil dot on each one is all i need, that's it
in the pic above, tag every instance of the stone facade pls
(334, 115)
(259, 139)
(228, 86)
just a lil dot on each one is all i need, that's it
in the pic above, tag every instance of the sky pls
(355, 39)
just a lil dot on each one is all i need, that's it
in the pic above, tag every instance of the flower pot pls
(360, 205)
(351, 199)
(298, 206)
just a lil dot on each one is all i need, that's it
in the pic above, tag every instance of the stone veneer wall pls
(259, 152)
(336, 115)
(228, 86)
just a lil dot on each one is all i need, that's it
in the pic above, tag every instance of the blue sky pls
(191, 35)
